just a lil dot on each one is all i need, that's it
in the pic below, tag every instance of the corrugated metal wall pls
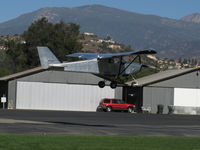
(153, 96)
(186, 97)
(85, 80)
(163, 92)
(12, 94)
(56, 96)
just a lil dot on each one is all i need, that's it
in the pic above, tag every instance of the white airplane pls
(105, 65)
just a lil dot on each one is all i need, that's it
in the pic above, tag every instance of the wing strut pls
(120, 65)
(130, 64)
(113, 84)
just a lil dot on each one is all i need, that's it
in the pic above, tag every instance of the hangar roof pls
(151, 79)
(161, 76)
(21, 74)
(55, 76)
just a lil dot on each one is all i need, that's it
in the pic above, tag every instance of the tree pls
(62, 38)
(16, 56)
(3, 72)
(4, 64)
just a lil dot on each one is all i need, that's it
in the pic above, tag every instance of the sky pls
(10, 9)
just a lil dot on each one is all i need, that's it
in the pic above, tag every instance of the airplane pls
(104, 65)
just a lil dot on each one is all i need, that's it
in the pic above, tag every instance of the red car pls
(115, 104)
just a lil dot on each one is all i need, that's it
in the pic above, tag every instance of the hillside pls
(188, 49)
(138, 30)
(195, 18)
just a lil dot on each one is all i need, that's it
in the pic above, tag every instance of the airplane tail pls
(46, 57)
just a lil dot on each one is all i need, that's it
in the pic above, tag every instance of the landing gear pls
(113, 84)
(101, 84)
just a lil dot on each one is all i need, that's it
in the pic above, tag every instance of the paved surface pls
(97, 123)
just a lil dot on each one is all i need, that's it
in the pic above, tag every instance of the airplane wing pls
(84, 55)
(109, 55)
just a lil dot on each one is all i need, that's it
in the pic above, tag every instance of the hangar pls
(178, 89)
(41, 89)
(54, 90)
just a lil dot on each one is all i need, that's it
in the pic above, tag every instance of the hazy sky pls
(10, 9)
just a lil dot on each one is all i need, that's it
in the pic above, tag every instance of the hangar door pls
(187, 97)
(55, 96)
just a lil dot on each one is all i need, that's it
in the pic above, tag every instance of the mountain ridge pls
(141, 31)
(194, 17)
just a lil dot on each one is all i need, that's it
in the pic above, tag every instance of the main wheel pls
(113, 84)
(108, 109)
(101, 84)
(130, 110)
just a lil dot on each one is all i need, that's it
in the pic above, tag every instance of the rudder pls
(46, 57)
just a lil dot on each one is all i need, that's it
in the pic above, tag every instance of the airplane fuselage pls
(96, 66)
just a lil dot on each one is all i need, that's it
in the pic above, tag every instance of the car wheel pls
(99, 109)
(108, 109)
(130, 110)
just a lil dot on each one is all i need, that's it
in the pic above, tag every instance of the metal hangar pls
(41, 89)
(54, 90)
(175, 89)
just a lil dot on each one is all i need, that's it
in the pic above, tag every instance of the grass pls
(68, 142)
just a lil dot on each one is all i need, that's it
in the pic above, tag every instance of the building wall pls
(58, 96)
(163, 92)
(56, 77)
(153, 96)
(12, 94)
(3, 91)
(186, 97)
(118, 92)
(133, 95)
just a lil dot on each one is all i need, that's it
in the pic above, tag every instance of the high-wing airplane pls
(106, 65)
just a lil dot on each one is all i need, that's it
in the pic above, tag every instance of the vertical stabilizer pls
(46, 57)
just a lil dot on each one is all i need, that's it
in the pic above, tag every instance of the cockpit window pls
(110, 60)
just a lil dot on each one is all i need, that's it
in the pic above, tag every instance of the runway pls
(98, 123)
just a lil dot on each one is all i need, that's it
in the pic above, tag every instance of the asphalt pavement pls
(98, 123)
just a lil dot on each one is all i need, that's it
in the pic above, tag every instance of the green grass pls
(68, 142)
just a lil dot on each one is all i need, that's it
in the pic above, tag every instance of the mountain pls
(187, 49)
(195, 18)
(138, 30)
